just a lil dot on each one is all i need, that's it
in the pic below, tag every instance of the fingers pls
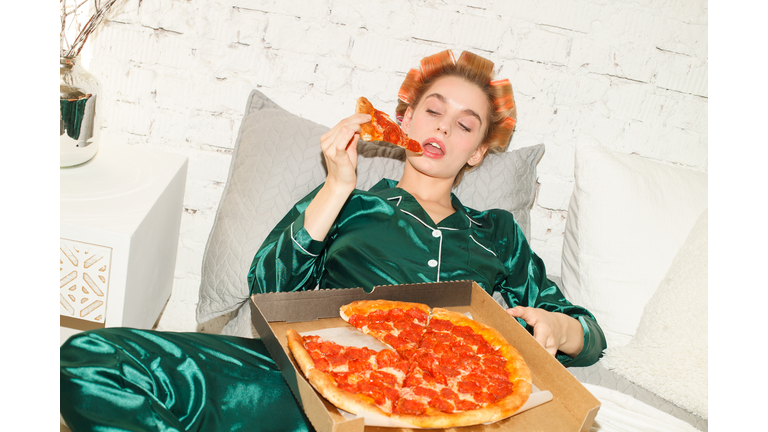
(542, 330)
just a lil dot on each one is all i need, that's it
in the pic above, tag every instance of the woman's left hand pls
(553, 330)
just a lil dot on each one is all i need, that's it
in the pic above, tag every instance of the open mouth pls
(433, 148)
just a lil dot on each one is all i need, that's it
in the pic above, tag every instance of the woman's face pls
(450, 122)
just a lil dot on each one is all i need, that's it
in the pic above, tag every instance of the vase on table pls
(78, 113)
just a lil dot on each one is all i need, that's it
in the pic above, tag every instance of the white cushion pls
(668, 354)
(627, 218)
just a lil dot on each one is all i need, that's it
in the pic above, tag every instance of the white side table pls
(120, 220)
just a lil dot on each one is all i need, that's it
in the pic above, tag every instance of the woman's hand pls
(553, 330)
(340, 151)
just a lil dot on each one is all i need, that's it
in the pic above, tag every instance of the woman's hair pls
(476, 70)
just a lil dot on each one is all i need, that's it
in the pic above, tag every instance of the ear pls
(405, 125)
(478, 155)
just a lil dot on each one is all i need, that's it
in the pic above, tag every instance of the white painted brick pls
(575, 89)
(693, 11)
(385, 18)
(457, 29)
(683, 73)
(554, 192)
(209, 165)
(128, 117)
(375, 52)
(309, 9)
(625, 99)
(298, 35)
(575, 15)
(203, 127)
(538, 44)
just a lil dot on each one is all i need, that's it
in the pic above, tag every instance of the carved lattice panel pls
(84, 272)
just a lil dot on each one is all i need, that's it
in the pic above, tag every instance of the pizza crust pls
(364, 307)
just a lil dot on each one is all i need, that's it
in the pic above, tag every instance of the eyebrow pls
(468, 111)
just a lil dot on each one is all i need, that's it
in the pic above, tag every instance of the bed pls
(634, 253)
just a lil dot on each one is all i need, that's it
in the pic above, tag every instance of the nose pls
(442, 128)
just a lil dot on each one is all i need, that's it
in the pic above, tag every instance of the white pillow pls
(668, 355)
(627, 218)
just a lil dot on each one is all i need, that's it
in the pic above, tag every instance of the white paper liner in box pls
(348, 336)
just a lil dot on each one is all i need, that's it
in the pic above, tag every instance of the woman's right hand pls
(339, 147)
(341, 161)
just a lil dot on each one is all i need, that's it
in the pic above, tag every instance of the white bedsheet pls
(623, 413)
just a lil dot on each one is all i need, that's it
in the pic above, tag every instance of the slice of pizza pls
(354, 379)
(398, 324)
(382, 128)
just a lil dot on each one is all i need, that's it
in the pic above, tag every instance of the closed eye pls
(465, 127)
(432, 112)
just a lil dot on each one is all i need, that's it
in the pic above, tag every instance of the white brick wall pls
(176, 75)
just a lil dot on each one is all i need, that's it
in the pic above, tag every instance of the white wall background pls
(176, 75)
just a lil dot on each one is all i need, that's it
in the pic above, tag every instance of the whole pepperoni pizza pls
(443, 369)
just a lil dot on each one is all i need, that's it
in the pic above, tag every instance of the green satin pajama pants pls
(122, 379)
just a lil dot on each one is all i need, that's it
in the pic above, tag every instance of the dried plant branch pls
(86, 31)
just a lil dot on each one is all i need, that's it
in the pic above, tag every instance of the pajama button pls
(436, 233)
(432, 263)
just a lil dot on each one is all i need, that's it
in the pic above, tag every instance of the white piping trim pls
(478, 243)
(473, 221)
(422, 222)
(398, 198)
(300, 246)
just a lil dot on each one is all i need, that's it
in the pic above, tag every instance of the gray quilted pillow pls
(277, 161)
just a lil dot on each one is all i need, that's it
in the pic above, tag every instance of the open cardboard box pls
(572, 408)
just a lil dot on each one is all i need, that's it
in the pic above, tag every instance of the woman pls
(413, 230)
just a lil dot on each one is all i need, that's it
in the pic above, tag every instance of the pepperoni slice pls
(469, 387)
(500, 388)
(426, 392)
(411, 334)
(441, 404)
(409, 406)
(417, 314)
(322, 365)
(359, 366)
(363, 354)
(380, 326)
(396, 314)
(463, 331)
(377, 316)
(373, 391)
(383, 377)
(465, 405)
(440, 325)
(358, 321)
(336, 360)
(484, 398)
(394, 341)
(387, 358)
(329, 348)
(445, 370)
(463, 350)
(450, 360)
(449, 394)
(480, 379)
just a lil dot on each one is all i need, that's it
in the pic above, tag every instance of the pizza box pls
(572, 408)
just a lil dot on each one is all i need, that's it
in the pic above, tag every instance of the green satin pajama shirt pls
(384, 237)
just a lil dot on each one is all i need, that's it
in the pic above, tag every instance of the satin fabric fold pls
(122, 379)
